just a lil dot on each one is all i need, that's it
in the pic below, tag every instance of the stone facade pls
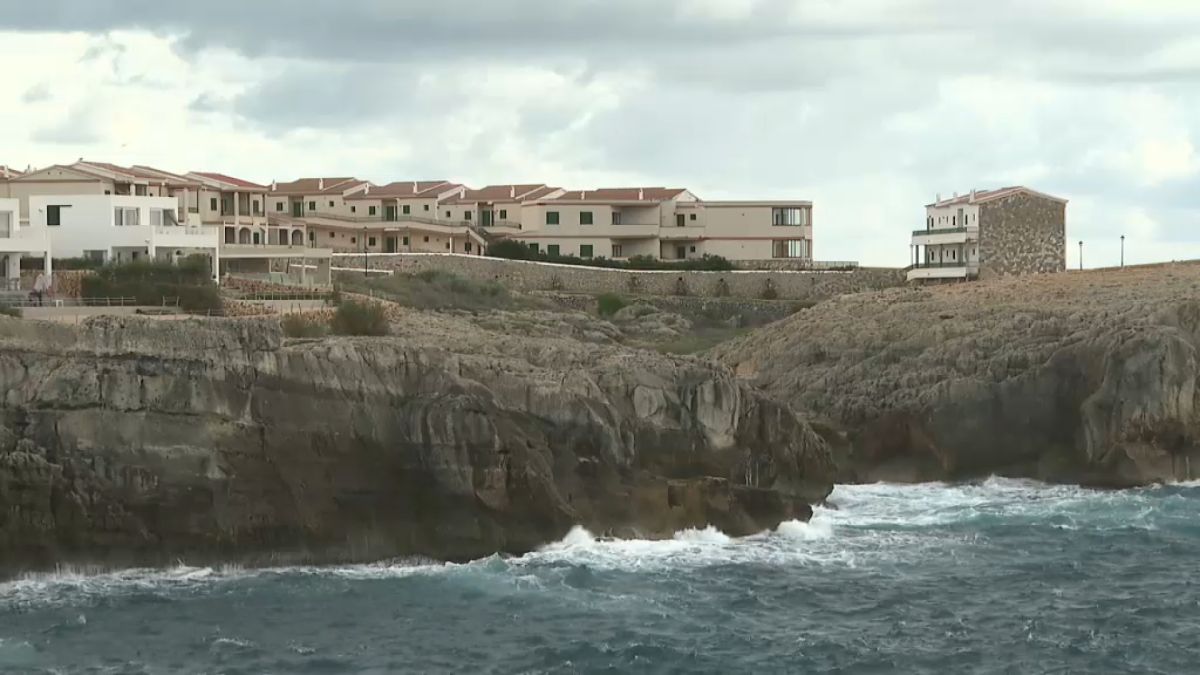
(1022, 234)
(810, 286)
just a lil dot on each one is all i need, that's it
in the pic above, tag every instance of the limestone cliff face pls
(1072, 377)
(128, 441)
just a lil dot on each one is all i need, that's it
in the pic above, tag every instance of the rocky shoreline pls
(127, 441)
(1085, 378)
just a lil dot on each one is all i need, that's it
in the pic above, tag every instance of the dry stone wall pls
(809, 286)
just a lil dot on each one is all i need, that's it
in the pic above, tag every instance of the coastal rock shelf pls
(1082, 377)
(127, 441)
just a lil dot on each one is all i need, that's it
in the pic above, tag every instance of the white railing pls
(186, 230)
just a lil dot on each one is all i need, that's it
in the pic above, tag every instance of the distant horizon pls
(868, 109)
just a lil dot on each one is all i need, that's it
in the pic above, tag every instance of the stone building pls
(990, 233)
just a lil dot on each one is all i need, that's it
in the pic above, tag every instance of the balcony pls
(23, 239)
(945, 235)
(945, 270)
(186, 236)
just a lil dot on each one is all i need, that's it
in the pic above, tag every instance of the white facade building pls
(120, 228)
(17, 241)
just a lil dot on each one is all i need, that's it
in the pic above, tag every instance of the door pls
(297, 209)
(389, 213)
(389, 245)
(681, 252)
(485, 218)
(679, 220)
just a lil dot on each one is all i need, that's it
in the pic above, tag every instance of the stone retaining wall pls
(811, 286)
(752, 312)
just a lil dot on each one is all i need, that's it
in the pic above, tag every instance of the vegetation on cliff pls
(155, 283)
(515, 250)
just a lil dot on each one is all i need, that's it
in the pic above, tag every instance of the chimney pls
(4, 170)
(956, 194)
(320, 183)
(937, 199)
(582, 195)
(972, 195)
(367, 189)
(414, 187)
(274, 185)
(641, 194)
(512, 191)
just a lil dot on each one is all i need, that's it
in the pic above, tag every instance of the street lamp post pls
(1122, 250)
(1081, 255)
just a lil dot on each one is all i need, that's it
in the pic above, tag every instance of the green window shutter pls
(585, 250)
(585, 217)
(552, 249)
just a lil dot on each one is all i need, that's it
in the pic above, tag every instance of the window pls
(54, 214)
(467, 247)
(790, 248)
(679, 221)
(353, 240)
(617, 251)
(406, 209)
(370, 241)
(693, 249)
(312, 206)
(404, 241)
(212, 204)
(353, 209)
(331, 235)
(331, 203)
(552, 249)
(447, 246)
(426, 240)
(789, 216)
(312, 236)
(691, 216)
(447, 214)
(278, 206)
(256, 209)
(139, 190)
(426, 207)
(929, 223)
(616, 217)
(108, 192)
(156, 217)
(585, 250)
(503, 214)
(533, 247)
(552, 217)
(125, 216)
(466, 215)
(370, 210)
(95, 256)
(585, 217)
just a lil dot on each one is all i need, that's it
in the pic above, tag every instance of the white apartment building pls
(120, 228)
(17, 241)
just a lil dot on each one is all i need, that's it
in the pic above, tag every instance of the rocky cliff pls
(134, 441)
(1074, 377)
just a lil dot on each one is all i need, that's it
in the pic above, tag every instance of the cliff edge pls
(1085, 377)
(133, 441)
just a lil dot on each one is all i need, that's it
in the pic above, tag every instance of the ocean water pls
(1000, 577)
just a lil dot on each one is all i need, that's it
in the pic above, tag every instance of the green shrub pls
(301, 326)
(5, 310)
(360, 318)
(608, 304)
(512, 249)
(156, 283)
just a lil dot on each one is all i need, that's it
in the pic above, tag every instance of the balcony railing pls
(942, 230)
(943, 265)
(186, 230)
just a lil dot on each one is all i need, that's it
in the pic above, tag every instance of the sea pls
(1001, 576)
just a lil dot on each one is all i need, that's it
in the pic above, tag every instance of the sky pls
(869, 108)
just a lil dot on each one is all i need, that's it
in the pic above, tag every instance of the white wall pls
(87, 222)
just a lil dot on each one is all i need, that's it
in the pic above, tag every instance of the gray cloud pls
(36, 94)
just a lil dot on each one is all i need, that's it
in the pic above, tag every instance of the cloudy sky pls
(866, 107)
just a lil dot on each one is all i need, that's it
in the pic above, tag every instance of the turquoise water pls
(1002, 577)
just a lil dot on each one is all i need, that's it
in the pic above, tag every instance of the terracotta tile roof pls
(160, 176)
(982, 196)
(230, 180)
(315, 186)
(7, 171)
(499, 193)
(402, 189)
(643, 194)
